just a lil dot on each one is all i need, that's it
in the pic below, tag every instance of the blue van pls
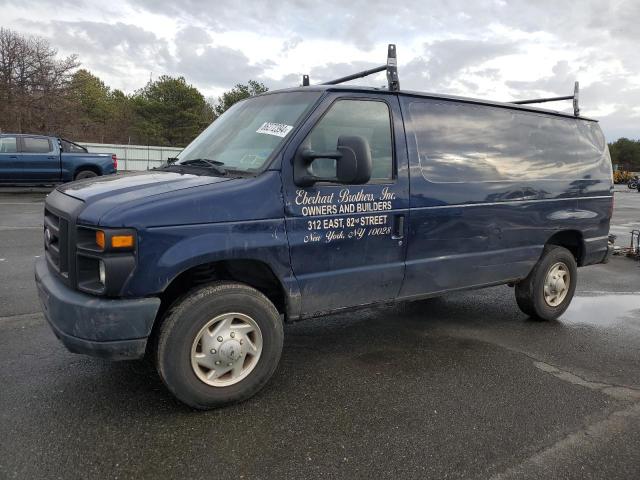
(317, 199)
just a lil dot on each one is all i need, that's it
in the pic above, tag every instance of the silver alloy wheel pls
(556, 284)
(226, 349)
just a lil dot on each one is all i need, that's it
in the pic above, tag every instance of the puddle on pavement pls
(604, 310)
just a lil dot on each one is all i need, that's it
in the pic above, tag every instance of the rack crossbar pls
(543, 100)
(391, 68)
(575, 97)
(364, 73)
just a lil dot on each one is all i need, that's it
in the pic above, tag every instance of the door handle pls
(398, 227)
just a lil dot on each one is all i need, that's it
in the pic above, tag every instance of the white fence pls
(134, 157)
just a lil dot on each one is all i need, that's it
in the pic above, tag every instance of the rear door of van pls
(465, 225)
(348, 242)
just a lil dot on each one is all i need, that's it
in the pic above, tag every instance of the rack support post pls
(392, 69)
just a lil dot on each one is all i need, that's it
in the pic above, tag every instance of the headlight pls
(101, 274)
(98, 251)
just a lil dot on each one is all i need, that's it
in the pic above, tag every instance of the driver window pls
(366, 118)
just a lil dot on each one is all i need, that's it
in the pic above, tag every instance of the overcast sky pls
(498, 49)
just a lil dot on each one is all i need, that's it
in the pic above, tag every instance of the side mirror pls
(353, 162)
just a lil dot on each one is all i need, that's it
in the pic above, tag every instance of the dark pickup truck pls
(39, 160)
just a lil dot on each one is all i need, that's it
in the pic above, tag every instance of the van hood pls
(159, 199)
(135, 185)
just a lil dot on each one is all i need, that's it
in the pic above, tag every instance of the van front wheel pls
(547, 291)
(219, 345)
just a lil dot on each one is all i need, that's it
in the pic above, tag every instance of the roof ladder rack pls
(574, 97)
(391, 68)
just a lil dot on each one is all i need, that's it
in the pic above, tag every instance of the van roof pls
(440, 96)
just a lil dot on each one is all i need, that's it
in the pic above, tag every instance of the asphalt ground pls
(462, 386)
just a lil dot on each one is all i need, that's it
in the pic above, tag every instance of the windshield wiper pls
(205, 162)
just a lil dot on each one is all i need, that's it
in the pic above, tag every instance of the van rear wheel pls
(219, 344)
(547, 291)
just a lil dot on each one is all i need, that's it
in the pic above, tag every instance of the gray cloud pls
(366, 22)
(460, 36)
(210, 65)
(291, 43)
(105, 44)
(287, 81)
(447, 59)
(110, 48)
(193, 35)
(561, 79)
(134, 41)
(217, 66)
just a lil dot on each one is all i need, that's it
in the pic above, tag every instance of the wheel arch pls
(572, 240)
(255, 273)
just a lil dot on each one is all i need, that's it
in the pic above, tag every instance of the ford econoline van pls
(317, 199)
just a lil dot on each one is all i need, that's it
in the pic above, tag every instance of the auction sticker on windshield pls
(277, 129)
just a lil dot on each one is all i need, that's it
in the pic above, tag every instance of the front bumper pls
(116, 329)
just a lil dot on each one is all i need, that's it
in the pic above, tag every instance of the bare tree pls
(34, 84)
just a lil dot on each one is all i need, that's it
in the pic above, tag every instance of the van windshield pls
(246, 135)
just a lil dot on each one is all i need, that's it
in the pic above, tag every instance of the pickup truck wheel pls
(219, 344)
(85, 174)
(547, 291)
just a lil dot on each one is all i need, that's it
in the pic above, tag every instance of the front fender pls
(174, 250)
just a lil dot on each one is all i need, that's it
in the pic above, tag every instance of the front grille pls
(60, 217)
(56, 242)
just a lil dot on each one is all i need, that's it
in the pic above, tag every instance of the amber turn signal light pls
(122, 241)
(100, 238)
(115, 241)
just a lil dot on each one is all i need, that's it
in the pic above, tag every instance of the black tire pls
(530, 294)
(185, 319)
(85, 174)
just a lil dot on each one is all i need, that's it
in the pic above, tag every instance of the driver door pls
(347, 242)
